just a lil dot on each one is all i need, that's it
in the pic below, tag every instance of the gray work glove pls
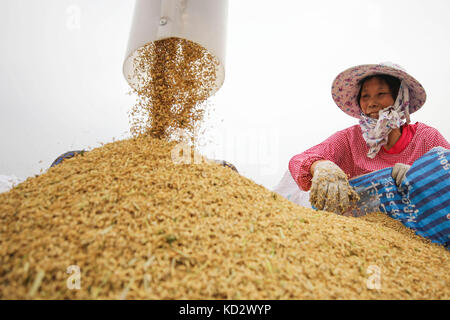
(399, 172)
(330, 190)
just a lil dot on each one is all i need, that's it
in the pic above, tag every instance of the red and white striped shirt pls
(348, 149)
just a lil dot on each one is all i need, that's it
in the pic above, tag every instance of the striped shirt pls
(348, 149)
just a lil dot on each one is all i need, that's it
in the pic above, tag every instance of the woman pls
(382, 97)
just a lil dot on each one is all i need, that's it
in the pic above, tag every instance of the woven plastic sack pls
(422, 202)
(8, 182)
(67, 155)
(291, 191)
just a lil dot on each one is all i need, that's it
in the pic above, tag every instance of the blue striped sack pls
(422, 202)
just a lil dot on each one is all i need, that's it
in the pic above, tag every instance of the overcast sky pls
(62, 88)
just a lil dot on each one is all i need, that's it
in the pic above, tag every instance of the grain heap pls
(140, 226)
(173, 79)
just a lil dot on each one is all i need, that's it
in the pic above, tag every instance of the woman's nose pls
(372, 104)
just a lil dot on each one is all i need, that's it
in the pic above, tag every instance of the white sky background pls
(62, 88)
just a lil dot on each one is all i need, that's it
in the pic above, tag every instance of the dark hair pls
(392, 82)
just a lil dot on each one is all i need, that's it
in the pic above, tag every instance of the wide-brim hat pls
(346, 86)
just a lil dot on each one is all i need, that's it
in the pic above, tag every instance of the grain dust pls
(174, 78)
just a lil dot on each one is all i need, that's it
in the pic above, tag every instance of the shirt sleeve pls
(435, 139)
(336, 149)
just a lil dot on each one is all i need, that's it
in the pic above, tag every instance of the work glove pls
(330, 190)
(399, 172)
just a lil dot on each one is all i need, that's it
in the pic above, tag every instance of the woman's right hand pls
(330, 190)
(399, 172)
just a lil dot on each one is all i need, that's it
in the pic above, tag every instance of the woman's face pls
(375, 96)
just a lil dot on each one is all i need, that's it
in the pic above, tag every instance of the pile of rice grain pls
(141, 227)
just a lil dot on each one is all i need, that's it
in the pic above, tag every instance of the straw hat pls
(346, 86)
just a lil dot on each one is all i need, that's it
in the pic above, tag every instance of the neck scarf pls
(376, 131)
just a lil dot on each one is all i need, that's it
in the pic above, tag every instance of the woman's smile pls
(374, 115)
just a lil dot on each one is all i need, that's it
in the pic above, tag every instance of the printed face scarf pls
(376, 131)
